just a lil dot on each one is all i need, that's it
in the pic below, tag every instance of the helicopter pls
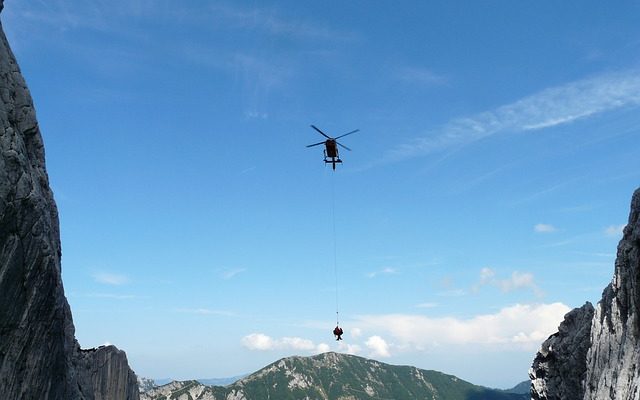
(331, 147)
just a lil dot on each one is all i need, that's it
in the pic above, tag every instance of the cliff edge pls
(596, 352)
(39, 355)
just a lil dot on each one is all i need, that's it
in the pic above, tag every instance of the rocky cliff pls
(596, 353)
(39, 356)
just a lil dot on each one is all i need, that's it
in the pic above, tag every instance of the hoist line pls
(335, 244)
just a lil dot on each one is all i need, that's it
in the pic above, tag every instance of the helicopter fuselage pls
(331, 149)
(331, 153)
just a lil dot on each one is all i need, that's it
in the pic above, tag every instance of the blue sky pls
(484, 196)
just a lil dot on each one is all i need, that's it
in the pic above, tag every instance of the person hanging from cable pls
(338, 332)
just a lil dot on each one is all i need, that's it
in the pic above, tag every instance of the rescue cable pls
(335, 245)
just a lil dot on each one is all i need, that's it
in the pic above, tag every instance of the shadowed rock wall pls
(39, 356)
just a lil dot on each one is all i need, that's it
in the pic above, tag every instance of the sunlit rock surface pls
(597, 357)
(39, 356)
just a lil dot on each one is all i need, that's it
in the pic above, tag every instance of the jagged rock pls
(597, 357)
(39, 355)
(146, 384)
(560, 365)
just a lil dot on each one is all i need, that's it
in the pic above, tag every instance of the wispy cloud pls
(452, 293)
(61, 15)
(258, 74)
(544, 228)
(113, 296)
(256, 115)
(109, 278)
(421, 76)
(427, 305)
(103, 15)
(272, 21)
(229, 273)
(384, 271)
(550, 107)
(517, 280)
(578, 209)
(545, 191)
(614, 230)
(591, 254)
(204, 311)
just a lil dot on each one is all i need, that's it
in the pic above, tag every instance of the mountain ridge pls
(334, 376)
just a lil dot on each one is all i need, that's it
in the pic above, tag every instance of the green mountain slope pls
(335, 376)
(522, 387)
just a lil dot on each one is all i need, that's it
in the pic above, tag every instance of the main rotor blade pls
(343, 146)
(357, 130)
(315, 144)
(322, 133)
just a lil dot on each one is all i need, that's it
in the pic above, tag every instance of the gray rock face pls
(104, 372)
(612, 361)
(39, 356)
(560, 365)
(596, 353)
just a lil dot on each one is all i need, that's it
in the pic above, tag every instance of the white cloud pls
(544, 228)
(378, 347)
(517, 280)
(614, 230)
(384, 271)
(322, 348)
(355, 332)
(258, 341)
(262, 342)
(297, 343)
(486, 275)
(516, 325)
(349, 348)
(108, 278)
(547, 108)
